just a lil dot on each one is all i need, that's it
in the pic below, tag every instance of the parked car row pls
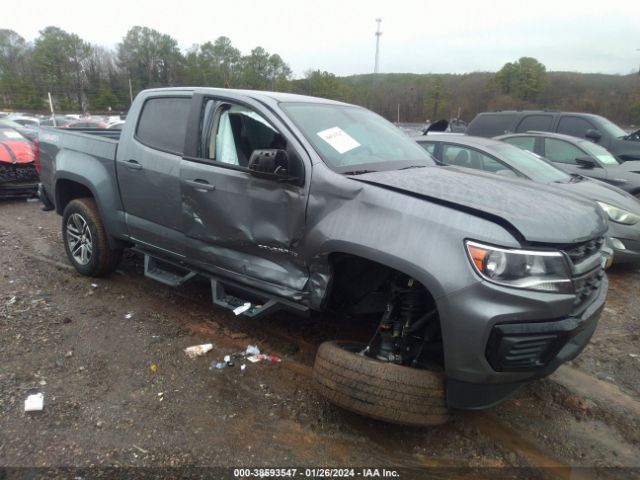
(500, 158)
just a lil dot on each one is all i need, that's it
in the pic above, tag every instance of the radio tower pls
(378, 33)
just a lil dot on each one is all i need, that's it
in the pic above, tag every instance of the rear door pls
(148, 166)
(236, 223)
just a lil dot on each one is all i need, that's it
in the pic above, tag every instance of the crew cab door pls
(148, 168)
(237, 223)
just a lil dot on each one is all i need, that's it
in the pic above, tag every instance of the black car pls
(595, 128)
(503, 159)
(583, 157)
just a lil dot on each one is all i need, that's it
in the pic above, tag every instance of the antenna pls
(378, 33)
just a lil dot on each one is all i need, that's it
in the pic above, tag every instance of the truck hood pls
(537, 213)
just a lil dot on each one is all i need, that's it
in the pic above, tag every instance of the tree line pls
(86, 77)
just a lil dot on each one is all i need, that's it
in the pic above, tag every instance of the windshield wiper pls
(412, 166)
(359, 172)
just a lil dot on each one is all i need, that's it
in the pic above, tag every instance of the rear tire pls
(86, 241)
(381, 390)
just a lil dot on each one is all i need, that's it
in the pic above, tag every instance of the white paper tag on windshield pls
(10, 134)
(340, 140)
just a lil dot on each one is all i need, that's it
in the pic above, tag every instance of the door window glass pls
(574, 126)
(428, 146)
(561, 151)
(525, 143)
(234, 132)
(163, 123)
(535, 122)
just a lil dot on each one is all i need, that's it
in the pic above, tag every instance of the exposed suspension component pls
(406, 325)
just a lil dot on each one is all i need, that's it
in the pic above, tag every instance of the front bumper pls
(518, 341)
(624, 240)
(18, 181)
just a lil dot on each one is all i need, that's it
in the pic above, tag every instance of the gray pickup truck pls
(466, 285)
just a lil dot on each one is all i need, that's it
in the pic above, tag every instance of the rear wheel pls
(379, 389)
(86, 241)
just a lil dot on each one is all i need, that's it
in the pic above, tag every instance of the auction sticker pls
(340, 140)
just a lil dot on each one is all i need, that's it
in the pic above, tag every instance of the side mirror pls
(593, 134)
(270, 163)
(586, 162)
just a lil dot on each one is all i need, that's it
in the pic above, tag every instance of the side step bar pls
(153, 269)
(226, 294)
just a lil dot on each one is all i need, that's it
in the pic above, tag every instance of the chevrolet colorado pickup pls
(468, 285)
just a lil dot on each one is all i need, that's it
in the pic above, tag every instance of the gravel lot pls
(119, 391)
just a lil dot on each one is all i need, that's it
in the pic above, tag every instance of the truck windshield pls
(531, 165)
(352, 139)
(611, 128)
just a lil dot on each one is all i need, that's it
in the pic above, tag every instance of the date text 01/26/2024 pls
(315, 473)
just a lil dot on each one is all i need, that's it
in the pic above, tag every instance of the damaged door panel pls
(233, 219)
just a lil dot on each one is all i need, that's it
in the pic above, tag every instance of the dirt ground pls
(119, 391)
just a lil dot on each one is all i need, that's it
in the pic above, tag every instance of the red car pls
(18, 175)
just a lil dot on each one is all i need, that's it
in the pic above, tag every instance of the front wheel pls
(378, 389)
(85, 239)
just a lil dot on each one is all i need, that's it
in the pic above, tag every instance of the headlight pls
(531, 270)
(618, 215)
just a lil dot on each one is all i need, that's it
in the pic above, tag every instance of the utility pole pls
(53, 113)
(130, 92)
(378, 33)
(638, 50)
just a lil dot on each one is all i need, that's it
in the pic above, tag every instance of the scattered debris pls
(634, 355)
(153, 368)
(99, 424)
(252, 350)
(242, 308)
(141, 450)
(262, 357)
(34, 403)
(94, 285)
(69, 354)
(198, 350)
(217, 365)
(128, 316)
(11, 301)
(228, 361)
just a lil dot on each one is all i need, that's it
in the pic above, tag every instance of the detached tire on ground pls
(86, 241)
(381, 390)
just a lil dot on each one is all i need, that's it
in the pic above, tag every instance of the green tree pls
(262, 71)
(324, 84)
(59, 62)
(17, 88)
(524, 80)
(150, 58)
(437, 98)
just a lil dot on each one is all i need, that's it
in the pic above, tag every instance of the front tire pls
(377, 389)
(86, 241)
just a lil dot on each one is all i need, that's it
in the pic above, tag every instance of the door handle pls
(201, 185)
(133, 165)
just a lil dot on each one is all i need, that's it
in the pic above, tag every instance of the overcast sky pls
(424, 36)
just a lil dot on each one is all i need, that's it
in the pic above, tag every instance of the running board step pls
(166, 273)
(248, 302)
